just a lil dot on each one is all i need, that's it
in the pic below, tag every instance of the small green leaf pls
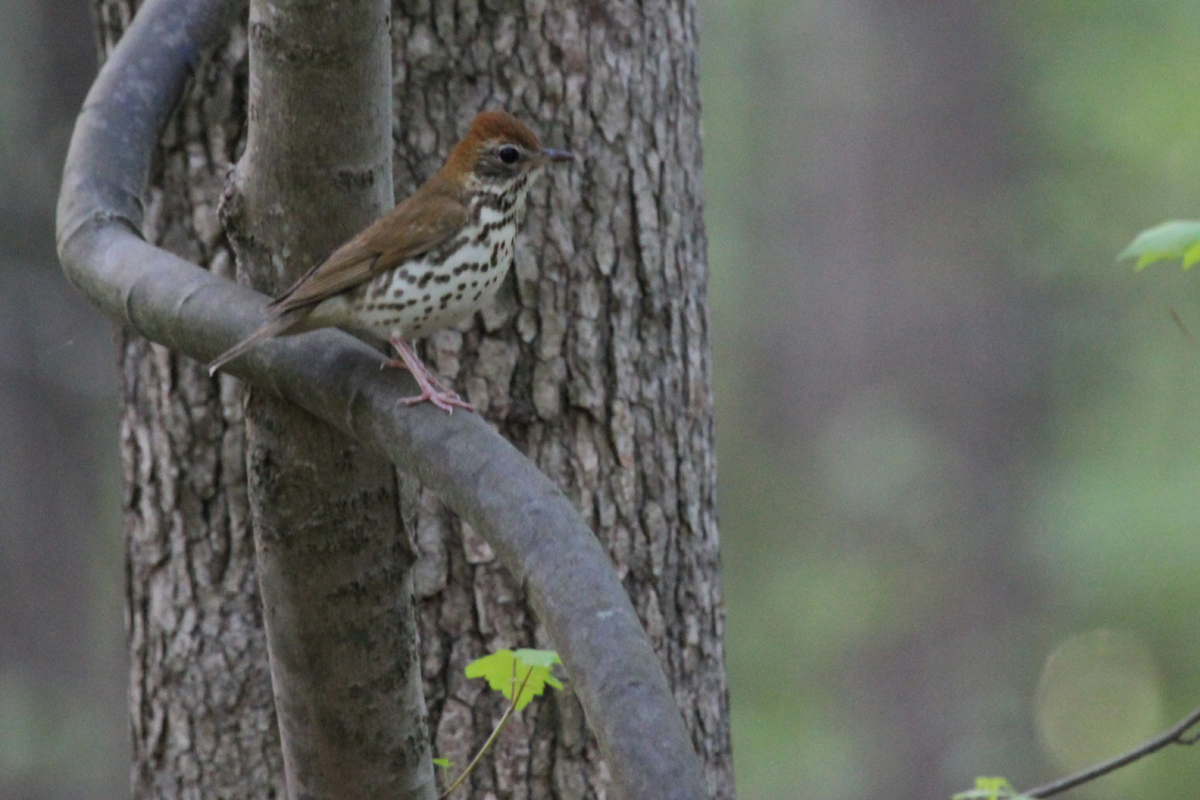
(1191, 256)
(506, 671)
(1170, 240)
(991, 789)
(538, 658)
(993, 784)
(444, 763)
(1146, 259)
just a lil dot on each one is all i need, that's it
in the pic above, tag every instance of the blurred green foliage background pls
(958, 442)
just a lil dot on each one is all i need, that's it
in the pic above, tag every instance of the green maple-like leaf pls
(539, 658)
(1166, 242)
(991, 789)
(506, 671)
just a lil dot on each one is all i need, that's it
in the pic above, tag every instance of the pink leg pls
(431, 389)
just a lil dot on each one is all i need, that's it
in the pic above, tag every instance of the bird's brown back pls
(422, 222)
(418, 224)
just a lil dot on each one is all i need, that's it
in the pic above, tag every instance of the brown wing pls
(419, 224)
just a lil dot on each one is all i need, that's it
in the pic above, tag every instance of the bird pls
(434, 259)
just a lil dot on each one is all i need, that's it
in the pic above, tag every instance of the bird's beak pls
(557, 155)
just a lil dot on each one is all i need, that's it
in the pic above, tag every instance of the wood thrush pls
(431, 261)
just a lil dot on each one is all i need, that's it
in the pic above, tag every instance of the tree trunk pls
(334, 563)
(595, 361)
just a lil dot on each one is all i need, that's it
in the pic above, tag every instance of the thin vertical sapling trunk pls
(333, 559)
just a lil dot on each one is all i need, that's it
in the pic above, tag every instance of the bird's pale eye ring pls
(509, 154)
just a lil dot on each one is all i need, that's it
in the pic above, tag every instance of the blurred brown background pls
(958, 441)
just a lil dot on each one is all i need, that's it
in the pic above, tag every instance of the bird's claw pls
(432, 390)
(443, 399)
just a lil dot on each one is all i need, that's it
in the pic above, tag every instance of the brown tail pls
(280, 325)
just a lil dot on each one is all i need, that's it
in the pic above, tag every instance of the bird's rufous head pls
(499, 149)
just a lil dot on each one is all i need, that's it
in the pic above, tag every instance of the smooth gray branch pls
(532, 527)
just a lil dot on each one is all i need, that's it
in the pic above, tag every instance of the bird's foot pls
(432, 390)
(445, 400)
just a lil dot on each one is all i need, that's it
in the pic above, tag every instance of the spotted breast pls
(452, 281)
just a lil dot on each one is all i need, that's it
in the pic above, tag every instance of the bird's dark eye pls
(509, 154)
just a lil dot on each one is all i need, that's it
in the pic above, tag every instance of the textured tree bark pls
(334, 564)
(594, 360)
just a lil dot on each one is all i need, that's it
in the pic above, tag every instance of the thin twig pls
(1174, 736)
(495, 732)
(1178, 320)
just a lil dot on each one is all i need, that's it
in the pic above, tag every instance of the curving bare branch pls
(527, 521)
(1178, 734)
